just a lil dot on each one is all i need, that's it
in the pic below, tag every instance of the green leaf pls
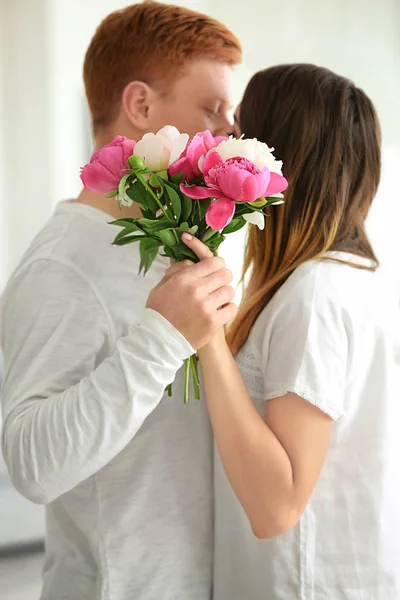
(185, 227)
(258, 203)
(123, 233)
(254, 209)
(187, 207)
(203, 208)
(138, 193)
(148, 251)
(234, 225)
(175, 201)
(167, 236)
(129, 240)
(121, 186)
(163, 175)
(274, 200)
(183, 250)
(215, 242)
(208, 235)
(124, 222)
(154, 181)
(154, 225)
(242, 208)
(177, 179)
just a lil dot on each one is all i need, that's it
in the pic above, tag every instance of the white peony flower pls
(159, 150)
(255, 151)
(255, 218)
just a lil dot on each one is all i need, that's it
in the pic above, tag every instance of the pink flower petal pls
(97, 178)
(182, 165)
(276, 185)
(112, 158)
(128, 148)
(231, 180)
(117, 140)
(212, 160)
(196, 192)
(221, 138)
(254, 186)
(220, 213)
(95, 156)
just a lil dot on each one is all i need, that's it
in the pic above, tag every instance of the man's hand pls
(196, 298)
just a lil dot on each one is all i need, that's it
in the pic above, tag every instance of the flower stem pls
(168, 389)
(186, 381)
(196, 383)
(148, 188)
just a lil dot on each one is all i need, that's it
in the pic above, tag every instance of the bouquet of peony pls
(208, 186)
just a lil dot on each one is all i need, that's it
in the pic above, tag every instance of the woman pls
(307, 420)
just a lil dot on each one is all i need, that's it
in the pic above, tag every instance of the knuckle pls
(216, 263)
(230, 292)
(226, 276)
(179, 280)
(194, 291)
(208, 312)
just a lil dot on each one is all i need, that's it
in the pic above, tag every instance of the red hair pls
(148, 42)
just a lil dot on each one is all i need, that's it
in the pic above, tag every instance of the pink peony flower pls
(230, 181)
(190, 161)
(107, 165)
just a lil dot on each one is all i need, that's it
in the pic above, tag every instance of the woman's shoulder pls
(337, 275)
(336, 283)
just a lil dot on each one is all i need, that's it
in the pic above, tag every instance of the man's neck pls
(108, 205)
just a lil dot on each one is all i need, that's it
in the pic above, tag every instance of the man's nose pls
(224, 126)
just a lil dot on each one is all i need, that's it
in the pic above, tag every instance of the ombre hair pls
(326, 132)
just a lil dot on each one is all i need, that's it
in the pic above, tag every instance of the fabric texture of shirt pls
(330, 335)
(125, 470)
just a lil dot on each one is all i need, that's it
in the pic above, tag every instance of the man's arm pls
(64, 417)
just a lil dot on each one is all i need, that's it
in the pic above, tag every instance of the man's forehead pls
(209, 71)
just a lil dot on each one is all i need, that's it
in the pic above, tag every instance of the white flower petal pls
(255, 218)
(170, 132)
(140, 148)
(201, 163)
(257, 152)
(154, 152)
(178, 147)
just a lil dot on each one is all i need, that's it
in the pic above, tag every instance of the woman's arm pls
(272, 465)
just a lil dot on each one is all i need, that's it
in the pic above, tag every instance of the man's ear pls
(136, 102)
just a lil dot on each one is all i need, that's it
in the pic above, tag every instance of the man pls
(125, 471)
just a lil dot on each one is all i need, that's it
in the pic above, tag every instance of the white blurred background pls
(45, 132)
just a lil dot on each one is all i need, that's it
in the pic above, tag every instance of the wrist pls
(214, 347)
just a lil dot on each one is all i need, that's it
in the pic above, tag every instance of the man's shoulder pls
(75, 247)
(71, 238)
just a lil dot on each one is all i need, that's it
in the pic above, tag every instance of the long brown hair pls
(326, 132)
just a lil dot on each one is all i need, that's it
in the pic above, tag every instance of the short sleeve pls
(305, 346)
